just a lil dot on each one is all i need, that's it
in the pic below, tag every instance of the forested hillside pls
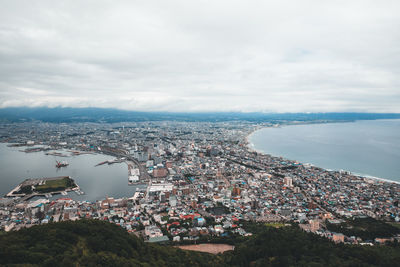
(97, 243)
(90, 243)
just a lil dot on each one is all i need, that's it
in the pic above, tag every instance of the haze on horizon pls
(286, 56)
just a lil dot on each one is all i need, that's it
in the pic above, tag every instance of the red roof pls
(190, 216)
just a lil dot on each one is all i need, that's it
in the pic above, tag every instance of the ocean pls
(368, 148)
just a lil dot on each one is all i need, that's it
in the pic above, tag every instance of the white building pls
(288, 181)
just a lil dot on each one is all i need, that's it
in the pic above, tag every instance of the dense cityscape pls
(198, 180)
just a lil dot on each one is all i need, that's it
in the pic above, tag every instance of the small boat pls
(60, 164)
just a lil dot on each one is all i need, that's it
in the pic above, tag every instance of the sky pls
(226, 55)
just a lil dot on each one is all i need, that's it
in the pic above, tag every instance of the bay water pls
(368, 148)
(97, 182)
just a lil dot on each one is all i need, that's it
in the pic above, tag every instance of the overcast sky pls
(280, 56)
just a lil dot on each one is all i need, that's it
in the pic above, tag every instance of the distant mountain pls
(19, 114)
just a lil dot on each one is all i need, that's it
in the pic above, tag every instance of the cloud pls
(202, 56)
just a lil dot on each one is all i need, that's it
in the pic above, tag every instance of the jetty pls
(109, 162)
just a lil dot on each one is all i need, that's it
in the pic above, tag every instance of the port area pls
(43, 187)
(137, 174)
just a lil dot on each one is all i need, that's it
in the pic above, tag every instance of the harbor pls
(95, 182)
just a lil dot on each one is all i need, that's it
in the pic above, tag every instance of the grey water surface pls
(370, 148)
(96, 182)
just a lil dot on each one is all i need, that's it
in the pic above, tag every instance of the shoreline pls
(251, 148)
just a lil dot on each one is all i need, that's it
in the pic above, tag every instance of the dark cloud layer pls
(281, 56)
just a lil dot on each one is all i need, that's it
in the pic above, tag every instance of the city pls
(197, 180)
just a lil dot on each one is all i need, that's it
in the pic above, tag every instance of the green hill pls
(90, 243)
(98, 243)
(290, 246)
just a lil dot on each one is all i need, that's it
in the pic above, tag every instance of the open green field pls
(55, 185)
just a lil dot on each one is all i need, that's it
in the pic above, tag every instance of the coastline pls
(251, 148)
(278, 125)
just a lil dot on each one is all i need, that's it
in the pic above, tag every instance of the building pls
(149, 163)
(288, 181)
(140, 155)
(160, 172)
(236, 191)
(133, 179)
(200, 222)
(152, 231)
(133, 175)
(172, 201)
(337, 237)
(162, 187)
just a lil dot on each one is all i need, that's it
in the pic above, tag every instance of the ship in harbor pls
(60, 164)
